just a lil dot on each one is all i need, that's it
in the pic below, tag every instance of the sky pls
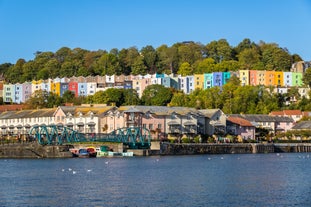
(28, 26)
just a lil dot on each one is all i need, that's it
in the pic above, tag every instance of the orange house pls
(270, 78)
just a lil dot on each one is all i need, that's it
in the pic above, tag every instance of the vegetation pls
(183, 58)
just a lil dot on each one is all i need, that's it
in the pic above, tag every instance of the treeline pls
(231, 99)
(184, 58)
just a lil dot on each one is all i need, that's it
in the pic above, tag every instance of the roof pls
(286, 113)
(158, 110)
(27, 114)
(209, 112)
(240, 121)
(292, 112)
(303, 125)
(263, 118)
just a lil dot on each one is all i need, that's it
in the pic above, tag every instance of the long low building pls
(163, 122)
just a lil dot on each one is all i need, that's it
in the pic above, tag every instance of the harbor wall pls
(34, 150)
(243, 148)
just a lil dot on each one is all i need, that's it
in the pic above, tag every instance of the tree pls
(68, 96)
(43, 99)
(219, 50)
(275, 58)
(205, 66)
(130, 97)
(307, 77)
(248, 58)
(156, 95)
(150, 58)
(185, 69)
(179, 99)
(138, 67)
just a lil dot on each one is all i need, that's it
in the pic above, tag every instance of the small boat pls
(83, 152)
(91, 151)
(104, 151)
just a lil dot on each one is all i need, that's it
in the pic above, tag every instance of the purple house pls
(217, 79)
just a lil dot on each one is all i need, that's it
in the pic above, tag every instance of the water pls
(203, 180)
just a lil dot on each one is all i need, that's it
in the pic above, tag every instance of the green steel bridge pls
(134, 137)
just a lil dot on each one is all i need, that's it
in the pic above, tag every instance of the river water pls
(198, 180)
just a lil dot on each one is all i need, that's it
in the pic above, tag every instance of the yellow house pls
(279, 78)
(199, 81)
(36, 85)
(55, 86)
(244, 77)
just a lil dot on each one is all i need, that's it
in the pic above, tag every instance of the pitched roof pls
(263, 118)
(276, 113)
(158, 110)
(303, 125)
(292, 112)
(208, 112)
(240, 121)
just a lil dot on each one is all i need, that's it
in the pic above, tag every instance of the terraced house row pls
(84, 86)
(163, 122)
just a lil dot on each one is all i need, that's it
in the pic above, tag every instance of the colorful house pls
(225, 77)
(270, 78)
(217, 79)
(288, 79)
(279, 78)
(297, 79)
(241, 127)
(253, 78)
(9, 93)
(244, 77)
(199, 81)
(55, 86)
(208, 80)
(261, 77)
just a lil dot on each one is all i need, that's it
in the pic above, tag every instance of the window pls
(144, 126)
(159, 126)
(150, 126)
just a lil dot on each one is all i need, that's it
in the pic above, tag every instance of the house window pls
(144, 126)
(150, 126)
(159, 126)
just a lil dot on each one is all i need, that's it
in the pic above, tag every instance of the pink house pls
(240, 126)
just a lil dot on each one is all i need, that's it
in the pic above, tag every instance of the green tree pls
(179, 99)
(138, 67)
(150, 58)
(130, 97)
(219, 50)
(307, 77)
(42, 99)
(275, 58)
(248, 58)
(205, 66)
(185, 69)
(68, 96)
(156, 95)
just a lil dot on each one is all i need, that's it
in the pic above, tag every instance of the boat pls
(91, 151)
(103, 151)
(83, 152)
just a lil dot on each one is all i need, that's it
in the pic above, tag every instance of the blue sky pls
(28, 26)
